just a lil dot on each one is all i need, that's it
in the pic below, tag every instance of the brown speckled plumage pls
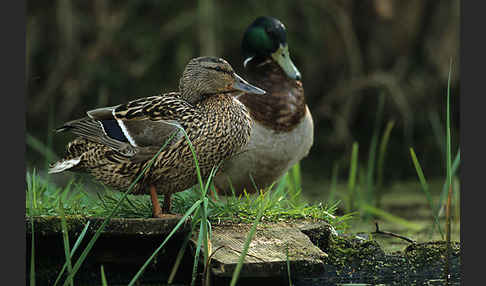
(217, 124)
(216, 136)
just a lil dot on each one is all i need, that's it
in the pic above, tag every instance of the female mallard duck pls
(116, 143)
(282, 129)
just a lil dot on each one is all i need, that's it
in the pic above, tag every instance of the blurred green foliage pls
(87, 54)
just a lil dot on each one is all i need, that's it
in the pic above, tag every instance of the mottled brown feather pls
(218, 126)
(216, 136)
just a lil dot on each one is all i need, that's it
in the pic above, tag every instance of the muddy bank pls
(350, 259)
(355, 260)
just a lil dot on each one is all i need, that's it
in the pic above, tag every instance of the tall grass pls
(451, 167)
(449, 176)
(365, 185)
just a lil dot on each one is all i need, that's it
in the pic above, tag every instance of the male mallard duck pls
(282, 130)
(116, 143)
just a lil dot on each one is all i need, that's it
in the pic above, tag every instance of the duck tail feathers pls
(63, 165)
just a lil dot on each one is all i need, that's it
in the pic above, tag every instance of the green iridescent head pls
(267, 37)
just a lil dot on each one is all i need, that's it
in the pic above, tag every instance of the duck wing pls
(136, 129)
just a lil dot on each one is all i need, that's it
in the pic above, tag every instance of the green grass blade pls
(288, 265)
(438, 132)
(198, 252)
(448, 130)
(449, 176)
(65, 236)
(279, 190)
(361, 188)
(295, 182)
(32, 254)
(420, 174)
(425, 188)
(296, 175)
(103, 277)
(457, 161)
(204, 223)
(198, 171)
(254, 184)
(215, 193)
(181, 221)
(30, 192)
(179, 256)
(352, 176)
(29, 197)
(73, 250)
(381, 160)
(207, 186)
(33, 185)
(445, 189)
(369, 194)
(249, 237)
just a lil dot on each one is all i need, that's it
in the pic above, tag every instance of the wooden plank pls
(51, 225)
(267, 255)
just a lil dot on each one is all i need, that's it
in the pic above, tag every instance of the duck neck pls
(190, 96)
(283, 107)
(226, 116)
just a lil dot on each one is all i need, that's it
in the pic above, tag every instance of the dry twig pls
(378, 231)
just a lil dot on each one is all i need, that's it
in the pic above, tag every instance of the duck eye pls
(218, 69)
